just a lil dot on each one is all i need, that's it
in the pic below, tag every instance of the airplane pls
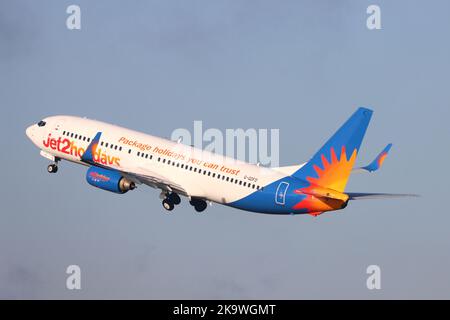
(120, 159)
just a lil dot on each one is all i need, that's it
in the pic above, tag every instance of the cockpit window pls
(42, 123)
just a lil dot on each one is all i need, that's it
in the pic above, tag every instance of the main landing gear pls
(198, 204)
(170, 200)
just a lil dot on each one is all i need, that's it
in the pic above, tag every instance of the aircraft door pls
(280, 195)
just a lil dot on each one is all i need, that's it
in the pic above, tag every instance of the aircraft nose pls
(30, 131)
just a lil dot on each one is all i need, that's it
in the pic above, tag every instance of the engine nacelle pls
(109, 180)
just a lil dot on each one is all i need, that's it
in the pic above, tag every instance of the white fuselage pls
(201, 173)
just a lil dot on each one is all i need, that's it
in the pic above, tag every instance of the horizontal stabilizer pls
(367, 196)
(321, 192)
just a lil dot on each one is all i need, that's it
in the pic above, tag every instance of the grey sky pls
(301, 66)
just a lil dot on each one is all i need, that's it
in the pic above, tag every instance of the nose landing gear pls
(52, 168)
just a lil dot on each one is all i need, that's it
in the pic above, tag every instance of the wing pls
(141, 175)
(377, 163)
(366, 196)
(138, 175)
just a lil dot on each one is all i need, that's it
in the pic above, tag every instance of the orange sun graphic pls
(334, 175)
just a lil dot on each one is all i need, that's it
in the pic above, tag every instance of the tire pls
(168, 205)
(200, 206)
(52, 168)
(175, 198)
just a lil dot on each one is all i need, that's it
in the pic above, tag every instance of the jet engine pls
(109, 180)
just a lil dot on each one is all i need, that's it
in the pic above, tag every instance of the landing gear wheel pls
(175, 198)
(52, 168)
(168, 205)
(200, 206)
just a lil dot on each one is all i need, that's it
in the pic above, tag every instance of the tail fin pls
(332, 165)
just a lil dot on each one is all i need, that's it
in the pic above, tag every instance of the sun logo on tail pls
(335, 173)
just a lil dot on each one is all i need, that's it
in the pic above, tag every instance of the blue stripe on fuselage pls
(264, 200)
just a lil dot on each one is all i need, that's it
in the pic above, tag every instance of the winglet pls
(379, 160)
(88, 155)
